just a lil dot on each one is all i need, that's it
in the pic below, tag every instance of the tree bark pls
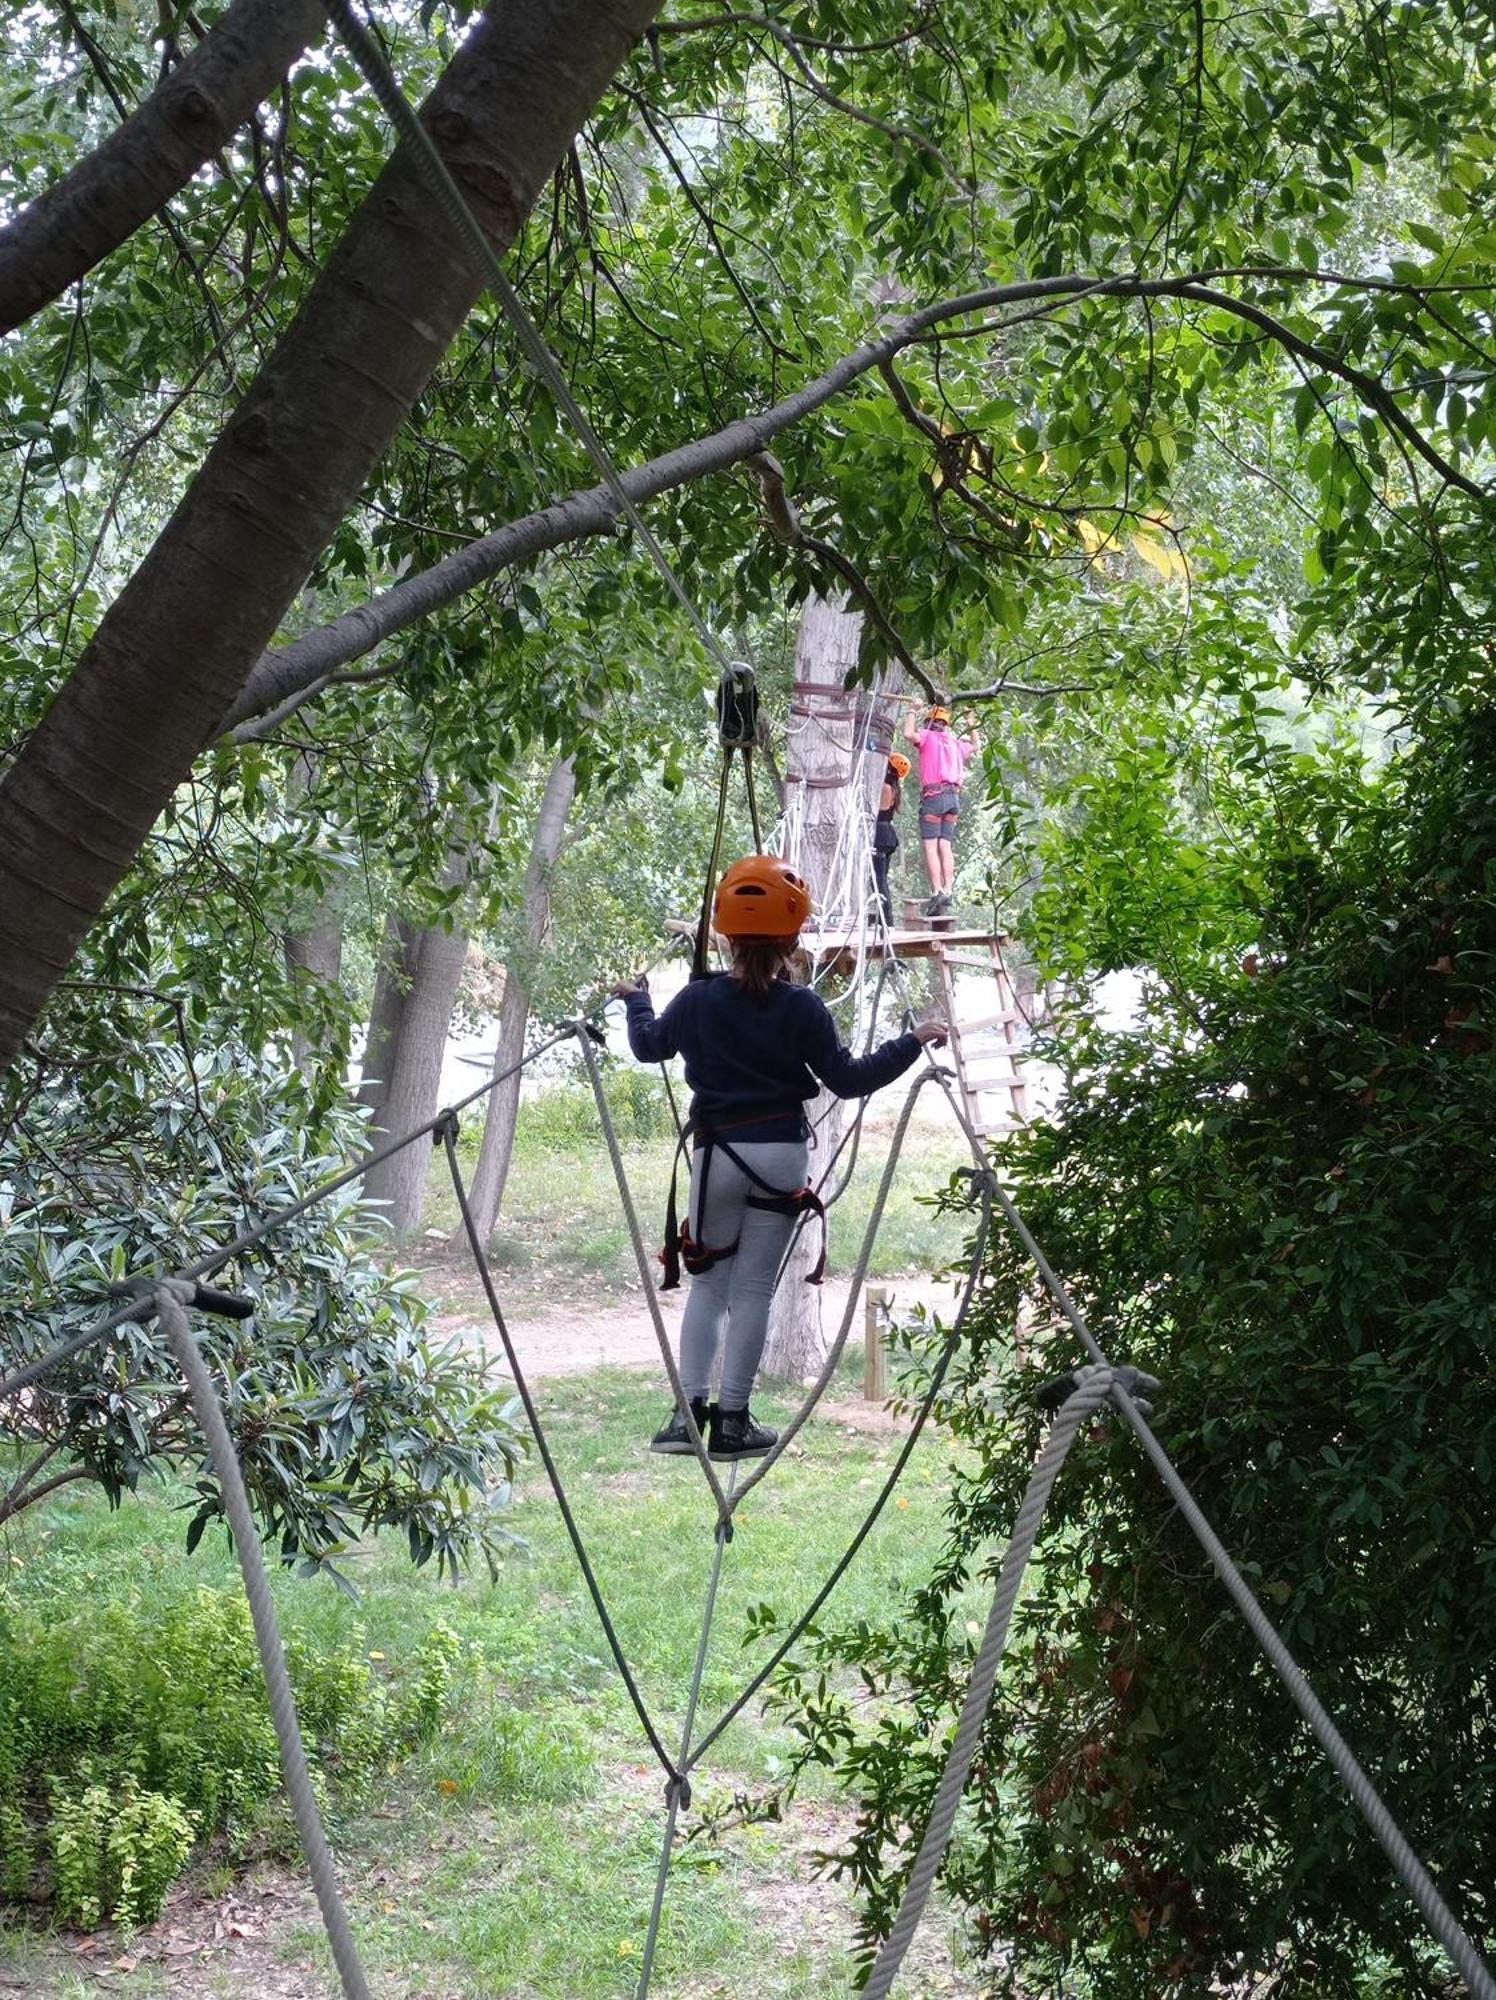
(195, 110)
(825, 653)
(173, 651)
(514, 1010)
(413, 1063)
(397, 965)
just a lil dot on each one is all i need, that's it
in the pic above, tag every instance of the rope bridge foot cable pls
(803, 1622)
(542, 1445)
(678, 1790)
(169, 1308)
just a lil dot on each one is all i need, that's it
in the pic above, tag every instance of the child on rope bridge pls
(755, 1046)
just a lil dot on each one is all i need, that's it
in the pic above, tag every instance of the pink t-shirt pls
(942, 758)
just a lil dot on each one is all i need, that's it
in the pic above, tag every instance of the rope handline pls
(1415, 1879)
(214, 1260)
(797, 1631)
(1091, 1392)
(678, 1791)
(209, 1412)
(542, 1445)
(379, 76)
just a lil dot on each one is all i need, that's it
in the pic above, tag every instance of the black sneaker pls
(673, 1436)
(734, 1434)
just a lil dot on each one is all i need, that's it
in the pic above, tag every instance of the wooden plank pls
(980, 1023)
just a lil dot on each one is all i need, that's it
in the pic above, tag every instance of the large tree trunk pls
(413, 1065)
(195, 110)
(155, 682)
(825, 653)
(514, 1010)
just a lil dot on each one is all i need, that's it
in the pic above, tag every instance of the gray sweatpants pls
(737, 1292)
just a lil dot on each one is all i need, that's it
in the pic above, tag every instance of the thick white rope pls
(170, 1311)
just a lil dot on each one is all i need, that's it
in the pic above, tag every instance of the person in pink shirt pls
(942, 770)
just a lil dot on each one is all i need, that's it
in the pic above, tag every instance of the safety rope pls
(646, 1274)
(169, 1301)
(214, 1260)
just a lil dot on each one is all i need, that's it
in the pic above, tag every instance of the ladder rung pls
(1007, 1018)
(948, 957)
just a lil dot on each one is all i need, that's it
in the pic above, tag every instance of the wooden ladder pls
(985, 1041)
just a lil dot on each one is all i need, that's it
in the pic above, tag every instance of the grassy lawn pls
(561, 1235)
(514, 1857)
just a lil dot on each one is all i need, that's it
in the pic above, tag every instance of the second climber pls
(885, 828)
(942, 769)
(756, 1049)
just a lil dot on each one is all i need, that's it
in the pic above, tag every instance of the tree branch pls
(593, 511)
(153, 154)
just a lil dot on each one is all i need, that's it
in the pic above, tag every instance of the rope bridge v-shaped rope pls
(170, 1296)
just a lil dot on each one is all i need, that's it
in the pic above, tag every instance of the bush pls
(1279, 1199)
(346, 1417)
(129, 1730)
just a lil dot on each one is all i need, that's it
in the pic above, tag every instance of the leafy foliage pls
(132, 1730)
(1273, 1192)
(347, 1418)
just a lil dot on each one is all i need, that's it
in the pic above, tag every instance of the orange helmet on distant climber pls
(899, 764)
(761, 896)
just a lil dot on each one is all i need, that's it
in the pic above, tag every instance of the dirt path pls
(571, 1339)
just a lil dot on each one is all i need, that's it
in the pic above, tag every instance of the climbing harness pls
(684, 1248)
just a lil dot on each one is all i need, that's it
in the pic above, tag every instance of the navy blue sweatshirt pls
(752, 1060)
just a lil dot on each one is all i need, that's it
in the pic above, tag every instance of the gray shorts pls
(937, 813)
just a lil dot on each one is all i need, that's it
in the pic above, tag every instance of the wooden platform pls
(839, 950)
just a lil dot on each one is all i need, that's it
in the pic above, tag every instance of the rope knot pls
(678, 1790)
(447, 1126)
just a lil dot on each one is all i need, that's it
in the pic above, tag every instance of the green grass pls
(561, 1235)
(513, 1858)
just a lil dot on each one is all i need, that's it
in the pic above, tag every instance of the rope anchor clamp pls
(1051, 1396)
(202, 1298)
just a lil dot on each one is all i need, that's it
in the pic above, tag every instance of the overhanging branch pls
(592, 512)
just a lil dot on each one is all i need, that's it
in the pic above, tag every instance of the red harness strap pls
(681, 1248)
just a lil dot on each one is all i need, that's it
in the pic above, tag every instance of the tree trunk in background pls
(155, 681)
(414, 1066)
(314, 957)
(397, 965)
(314, 949)
(825, 653)
(514, 1012)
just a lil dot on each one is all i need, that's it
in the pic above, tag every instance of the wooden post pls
(875, 1303)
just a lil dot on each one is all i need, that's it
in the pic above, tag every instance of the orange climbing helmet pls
(940, 715)
(899, 764)
(761, 896)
